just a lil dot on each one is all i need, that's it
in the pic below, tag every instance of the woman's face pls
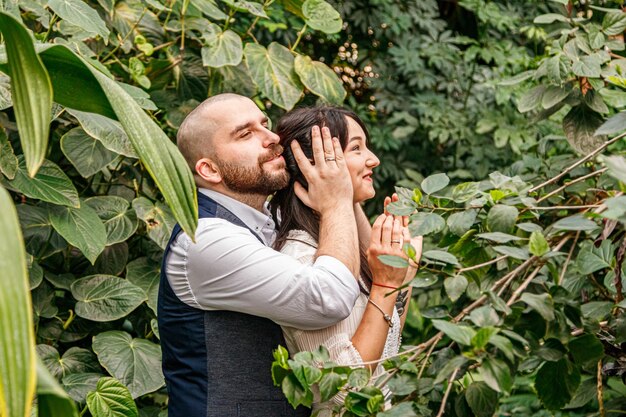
(360, 161)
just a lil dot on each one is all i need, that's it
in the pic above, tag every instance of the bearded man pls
(224, 293)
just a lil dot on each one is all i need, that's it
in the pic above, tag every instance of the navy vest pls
(218, 363)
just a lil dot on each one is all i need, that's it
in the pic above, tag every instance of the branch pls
(577, 180)
(445, 396)
(577, 163)
(567, 261)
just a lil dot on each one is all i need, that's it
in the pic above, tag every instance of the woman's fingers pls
(396, 235)
(387, 231)
(377, 230)
(317, 145)
(385, 204)
(329, 148)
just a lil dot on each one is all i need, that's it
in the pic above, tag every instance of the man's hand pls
(330, 185)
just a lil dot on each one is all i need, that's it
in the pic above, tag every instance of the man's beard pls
(254, 180)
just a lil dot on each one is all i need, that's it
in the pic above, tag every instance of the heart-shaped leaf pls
(221, 47)
(86, 153)
(111, 399)
(120, 220)
(105, 297)
(145, 275)
(320, 79)
(81, 227)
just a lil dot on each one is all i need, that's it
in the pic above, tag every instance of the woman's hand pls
(388, 236)
(416, 242)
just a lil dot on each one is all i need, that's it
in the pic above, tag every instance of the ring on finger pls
(329, 159)
(396, 241)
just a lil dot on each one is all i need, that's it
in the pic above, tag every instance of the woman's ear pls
(208, 171)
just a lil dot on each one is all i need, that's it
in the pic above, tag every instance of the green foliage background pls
(490, 117)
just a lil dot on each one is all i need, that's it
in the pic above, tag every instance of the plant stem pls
(447, 393)
(53, 20)
(599, 390)
(558, 190)
(577, 163)
(567, 261)
(121, 41)
(293, 48)
(493, 261)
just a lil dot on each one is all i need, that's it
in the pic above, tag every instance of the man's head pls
(229, 148)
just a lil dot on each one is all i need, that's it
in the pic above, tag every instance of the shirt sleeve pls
(227, 268)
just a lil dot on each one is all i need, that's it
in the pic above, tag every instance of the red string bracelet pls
(385, 286)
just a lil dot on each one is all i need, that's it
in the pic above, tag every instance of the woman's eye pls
(356, 148)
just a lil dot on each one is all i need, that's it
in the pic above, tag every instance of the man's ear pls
(208, 171)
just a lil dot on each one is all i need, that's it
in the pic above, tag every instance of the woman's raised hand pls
(416, 242)
(388, 235)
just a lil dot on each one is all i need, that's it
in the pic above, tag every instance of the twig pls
(567, 261)
(447, 393)
(425, 360)
(618, 271)
(586, 206)
(578, 332)
(577, 163)
(577, 180)
(121, 41)
(599, 389)
(471, 268)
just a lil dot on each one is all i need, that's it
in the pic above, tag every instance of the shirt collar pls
(261, 223)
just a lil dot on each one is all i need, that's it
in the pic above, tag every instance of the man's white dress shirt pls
(228, 268)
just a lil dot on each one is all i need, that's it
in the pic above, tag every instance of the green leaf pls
(460, 223)
(251, 7)
(49, 184)
(145, 275)
(399, 410)
(435, 183)
(614, 23)
(615, 124)
(460, 334)
(502, 218)
(52, 401)
(106, 297)
(541, 303)
(548, 18)
(120, 220)
(86, 154)
(107, 131)
(75, 360)
(111, 399)
(295, 393)
(586, 349)
(135, 362)
(394, 261)
(617, 167)
(575, 222)
(481, 399)
(273, 71)
(158, 218)
(538, 245)
(497, 375)
(81, 227)
(17, 339)
(531, 99)
(498, 237)
(455, 286)
(8, 160)
(79, 385)
(359, 377)
(596, 310)
(504, 345)
(330, 384)
(512, 251)
(41, 239)
(465, 191)
(556, 383)
(441, 256)
(423, 224)
(551, 350)
(591, 259)
(553, 96)
(80, 14)
(580, 126)
(320, 15)
(614, 98)
(221, 47)
(31, 90)
(321, 80)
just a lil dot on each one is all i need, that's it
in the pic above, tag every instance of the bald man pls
(223, 297)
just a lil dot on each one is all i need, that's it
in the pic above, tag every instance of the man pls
(222, 295)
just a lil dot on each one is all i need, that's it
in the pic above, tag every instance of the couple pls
(224, 294)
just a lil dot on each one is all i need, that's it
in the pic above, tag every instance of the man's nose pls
(271, 138)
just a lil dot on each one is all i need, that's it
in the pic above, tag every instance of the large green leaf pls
(107, 131)
(41, 239)
(501, 218)
(251, 7)
(145, 275)
(111, 399)
(17, 340)
(481, 399)
(320, 15)
(460, 334)
(79, 385)
(31, 90)
(556, 383)
(273, 71)
(120, 220)
(580, 126)
(74, 360)
(49, 184)
(8, 160)
(81, 227)
(157, 217)
(135, 362)
(52, 401)
(86, 153)
(159, 155)
(106, 297)
(78, 13)
(221, 47)
(320, 79)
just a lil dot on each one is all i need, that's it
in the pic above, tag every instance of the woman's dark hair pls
(294, 214)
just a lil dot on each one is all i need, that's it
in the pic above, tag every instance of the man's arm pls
(229, 269)
(363, 226)
(330, 194)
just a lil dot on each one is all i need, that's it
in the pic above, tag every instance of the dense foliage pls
(518, 306)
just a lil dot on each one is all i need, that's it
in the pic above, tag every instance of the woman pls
(373, 329)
